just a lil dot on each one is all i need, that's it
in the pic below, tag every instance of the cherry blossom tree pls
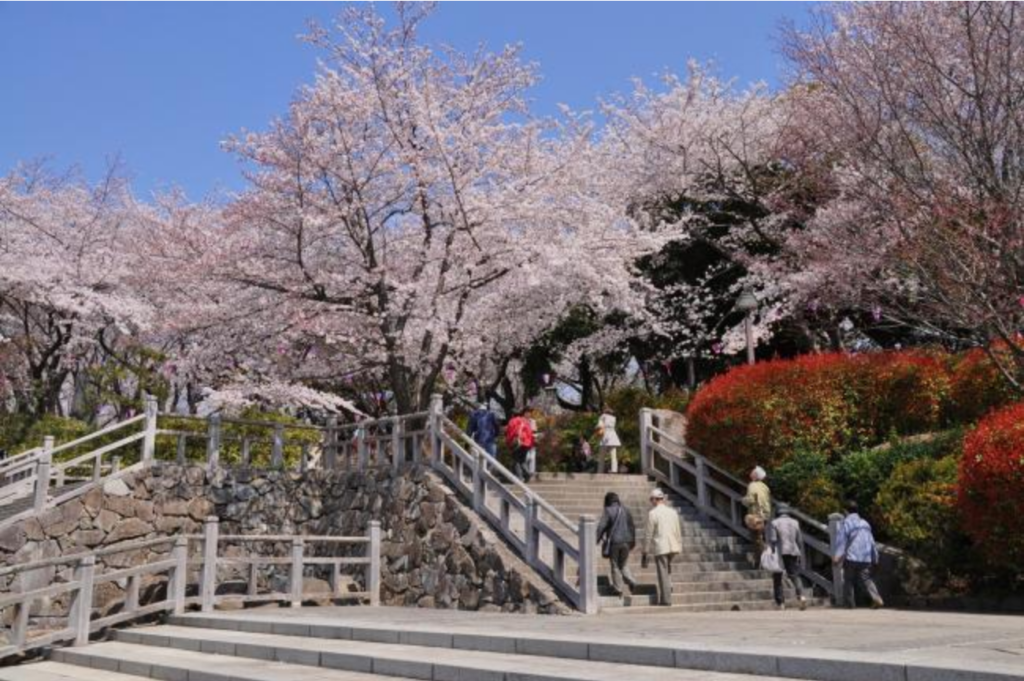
(919, 110)
(409, 221)
(704, 164)
(67, 283)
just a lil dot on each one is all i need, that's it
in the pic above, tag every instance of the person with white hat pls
(663, 539)
(758, 501)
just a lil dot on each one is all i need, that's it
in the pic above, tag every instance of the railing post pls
(435, 422)
(645, 440)
(277, 450)
(364, 452)
(43, 475)
(397, 451)
(330, 457)
(298, 550)
(834, 520)
(208, 587)
(478, 480)
(149, 441)
(702, 488)
(131, 599)
(530, 536)
(373, 569)
(588, 564)
(179, 580)
(81, 610)
(213, 441)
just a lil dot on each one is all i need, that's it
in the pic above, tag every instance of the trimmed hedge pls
(916, 508)
(832, 404)
(976, 387)
(822, 404)
(989, 490)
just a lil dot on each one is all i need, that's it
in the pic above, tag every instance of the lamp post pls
(747, 304)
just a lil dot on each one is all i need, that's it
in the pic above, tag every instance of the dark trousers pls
(663, 566)
(854, 573)
(791, 565)
(519, 463)
(619, 569)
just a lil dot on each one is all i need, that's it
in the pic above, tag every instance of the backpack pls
(524, 434)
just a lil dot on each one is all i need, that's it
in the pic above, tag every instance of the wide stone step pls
(686, 584)
(724, 576)
(719, 598)
(589, 479)
(173, 652)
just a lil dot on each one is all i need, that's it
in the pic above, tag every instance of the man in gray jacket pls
(787, 541)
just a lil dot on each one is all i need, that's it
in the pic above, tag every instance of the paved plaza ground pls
(967, 646)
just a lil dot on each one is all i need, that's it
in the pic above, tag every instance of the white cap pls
(656, 493)
(759, 473)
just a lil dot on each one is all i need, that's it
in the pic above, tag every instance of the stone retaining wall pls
(435, 551)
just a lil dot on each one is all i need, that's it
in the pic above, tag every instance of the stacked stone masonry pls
(435, 552)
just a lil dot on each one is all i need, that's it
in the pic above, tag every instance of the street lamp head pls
(746, 303)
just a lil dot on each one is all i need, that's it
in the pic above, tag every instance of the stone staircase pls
(715, 571)
(281, 647)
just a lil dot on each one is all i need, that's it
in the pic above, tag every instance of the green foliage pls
(860, 475)
(62, 429)
(916, 509)
(805, 481)
(259, 435)
(12, 431)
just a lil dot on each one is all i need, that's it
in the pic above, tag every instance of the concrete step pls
(201, 654)
(48, 670)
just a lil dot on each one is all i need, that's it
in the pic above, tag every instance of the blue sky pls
(161, 84)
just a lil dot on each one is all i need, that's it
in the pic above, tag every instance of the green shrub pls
(804, 481)
(12, 431)
(916, 510)
(860, 475)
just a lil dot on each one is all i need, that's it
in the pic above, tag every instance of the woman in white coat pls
(610, 443)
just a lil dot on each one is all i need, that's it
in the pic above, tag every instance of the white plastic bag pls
(770, 561)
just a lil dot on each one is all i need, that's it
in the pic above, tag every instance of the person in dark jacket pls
(483, 428)
(617, 536)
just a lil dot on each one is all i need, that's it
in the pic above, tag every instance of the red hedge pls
(990, 491)
(825, 403)
(977, 387)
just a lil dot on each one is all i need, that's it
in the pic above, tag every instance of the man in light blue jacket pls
(857, 553)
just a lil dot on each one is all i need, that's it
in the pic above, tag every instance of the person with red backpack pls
(519, 438)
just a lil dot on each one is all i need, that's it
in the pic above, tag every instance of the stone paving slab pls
(832, 644)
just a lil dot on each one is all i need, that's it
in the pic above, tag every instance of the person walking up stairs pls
(664, 540)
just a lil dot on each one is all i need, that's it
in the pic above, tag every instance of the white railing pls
(175, 569)
(719, 495)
